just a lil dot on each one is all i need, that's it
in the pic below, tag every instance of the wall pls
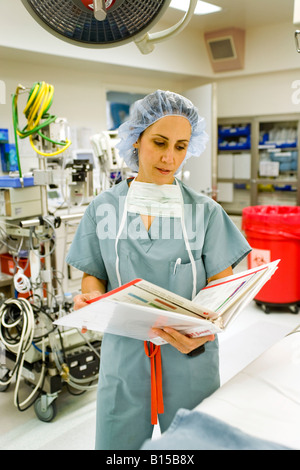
(259, 94)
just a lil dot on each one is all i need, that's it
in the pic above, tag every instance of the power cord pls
(21, 282)
(16, 334)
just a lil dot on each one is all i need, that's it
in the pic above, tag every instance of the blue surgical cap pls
(150, 109)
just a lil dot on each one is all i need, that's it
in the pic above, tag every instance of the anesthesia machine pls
(38, 211)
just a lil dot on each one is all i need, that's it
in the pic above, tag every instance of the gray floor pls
(74, 427)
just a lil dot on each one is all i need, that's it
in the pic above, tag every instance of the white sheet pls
(264, 399)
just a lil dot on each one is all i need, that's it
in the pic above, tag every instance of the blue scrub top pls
(124, 393)
(215, 241)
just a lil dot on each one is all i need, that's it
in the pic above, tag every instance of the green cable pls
(26, 133)
(37, 128)
(15, 123)
(50, 140)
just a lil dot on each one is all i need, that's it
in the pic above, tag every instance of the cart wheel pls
(3, 388)
(45, 415)
(294, 308)
(265, 308)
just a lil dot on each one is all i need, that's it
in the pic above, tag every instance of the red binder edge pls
(114, 291)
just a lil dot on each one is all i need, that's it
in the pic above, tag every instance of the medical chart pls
(219, 295)
(227, 297)
(133, 309)
(144, 293)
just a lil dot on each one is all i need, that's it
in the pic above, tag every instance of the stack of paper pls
(133, 309)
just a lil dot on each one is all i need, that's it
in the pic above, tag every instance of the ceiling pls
(239, 13)
(244, 14)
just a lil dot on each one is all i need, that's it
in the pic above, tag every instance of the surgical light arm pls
(146, 42)
(297, 34)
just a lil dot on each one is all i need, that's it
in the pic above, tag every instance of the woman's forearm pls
(90, 283)
(91, 288)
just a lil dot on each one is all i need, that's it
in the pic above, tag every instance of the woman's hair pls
(150, 109)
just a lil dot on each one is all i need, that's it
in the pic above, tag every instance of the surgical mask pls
(156, 200)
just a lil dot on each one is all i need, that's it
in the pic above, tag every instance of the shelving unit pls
(258, 162)
(234, 163)
(276, 168)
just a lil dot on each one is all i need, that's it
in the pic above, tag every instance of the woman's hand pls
(80, 300)
(183, 343)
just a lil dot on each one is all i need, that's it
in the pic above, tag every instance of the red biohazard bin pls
(273, 232)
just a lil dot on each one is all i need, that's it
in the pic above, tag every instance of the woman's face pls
(162, 148)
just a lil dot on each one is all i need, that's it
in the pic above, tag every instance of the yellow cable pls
(36, 106)
(40, 103)
(53, 154)
(31, 98)
(47, 95)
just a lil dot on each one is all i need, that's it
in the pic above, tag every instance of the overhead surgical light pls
(296, 21)
(106, 23)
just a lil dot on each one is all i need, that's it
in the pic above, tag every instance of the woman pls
(155, 228)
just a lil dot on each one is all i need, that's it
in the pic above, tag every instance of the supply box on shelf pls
(234, 137)
(261, 153)
(288, 161)
(278, 138)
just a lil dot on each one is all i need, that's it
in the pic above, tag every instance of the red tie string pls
(157, 403)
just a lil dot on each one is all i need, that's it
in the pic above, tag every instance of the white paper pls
(236, 300)
(220, 294)
(132, 318)
(267, 168)
(133, 321)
